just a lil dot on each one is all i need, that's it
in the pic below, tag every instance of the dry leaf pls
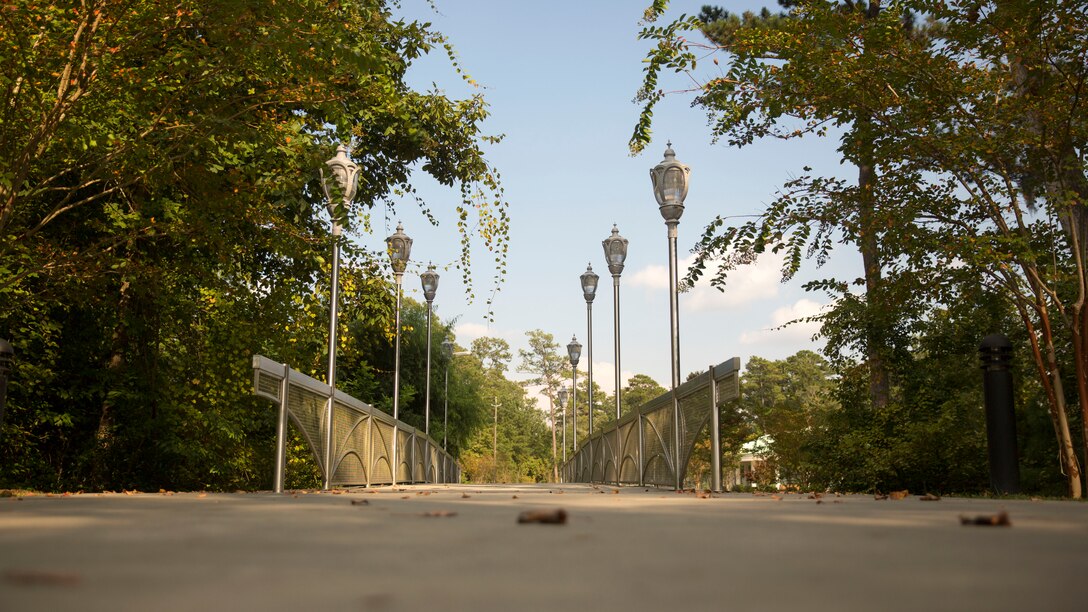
(557, 516)
(776, 497)
(438, 514)
(202, 495)
(406, 497)
(615, 491)
(899, 494)
(41, 577)
(880, 497)
(515, 497)
(819, 501)
(1001, 519)
(929, 497)
(360, 502)
(815, 495)
(465, 496)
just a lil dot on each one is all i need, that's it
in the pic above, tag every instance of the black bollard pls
(996, 355)
(7, 353)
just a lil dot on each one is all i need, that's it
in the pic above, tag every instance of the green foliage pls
(160, 223)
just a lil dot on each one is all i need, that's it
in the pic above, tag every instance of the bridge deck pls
(460, 547)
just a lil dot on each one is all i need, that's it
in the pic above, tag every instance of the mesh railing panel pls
(350, 441)
(657, 440)
(613, 452)
(381, 466)
(695, 414)
(268, 386)
(404, 458)
(362, 436)
(307, 409)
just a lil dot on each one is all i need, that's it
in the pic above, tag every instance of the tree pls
(493, 351)
(546, 368)
(639, 390)
(160, 221)
(977, 126)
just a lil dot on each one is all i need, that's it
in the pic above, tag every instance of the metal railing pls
(362, 436)
(641, 447)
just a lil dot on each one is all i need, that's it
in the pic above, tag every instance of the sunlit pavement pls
(461, 547)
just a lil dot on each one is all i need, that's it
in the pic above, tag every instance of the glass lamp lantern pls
(589, 283)
(615, 251)
(342, 178)
(430, 282)
(400, 248)
(670, 180)
(574, 351)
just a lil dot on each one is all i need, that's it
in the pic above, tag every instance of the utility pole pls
(495, 444)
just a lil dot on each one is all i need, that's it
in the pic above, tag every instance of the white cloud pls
(604, 376)
(798, 333)
(467, 332)
(746, 284)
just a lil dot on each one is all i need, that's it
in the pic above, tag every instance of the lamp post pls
(615, 253)
(589, 291)
(430, 286)
(670, 181)
(574, 352)
(344, 177)
(400, 247)
(7, 354)
(563, 406)
(447, 350)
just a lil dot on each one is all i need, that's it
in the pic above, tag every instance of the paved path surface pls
(460, 547)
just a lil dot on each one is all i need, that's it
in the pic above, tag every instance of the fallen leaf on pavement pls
(41, 577)
(1001, 519)
(899, 494)
(360, 502)
(815, 495)
(929, 497)
(776, 497)
(465, 496)
(438, 514)
(557, 516)
(880, 497)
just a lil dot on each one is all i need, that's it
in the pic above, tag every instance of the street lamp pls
(342, 180)
(7, 354)
(400, 247)
(447, 350)
(430, 286)
(574, 352)
(589, 291)
(670, 181)
(615, 253)
(563, 406)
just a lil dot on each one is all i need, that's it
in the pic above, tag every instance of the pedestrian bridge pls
(355, 444)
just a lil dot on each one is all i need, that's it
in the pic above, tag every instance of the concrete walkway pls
(460, 547)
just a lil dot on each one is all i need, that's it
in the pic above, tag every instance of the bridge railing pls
(361, 436)
(651, 446)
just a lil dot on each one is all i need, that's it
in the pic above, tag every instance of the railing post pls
(281, 433)
(715, 435)
(641, 469)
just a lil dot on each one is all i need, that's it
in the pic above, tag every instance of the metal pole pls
(495, 444)
(715, 435)
(996, 355)
(589, 375)
(563, 407)
(445, 406)
(674, 307)
(396, 380)
(331, 377)
(616, 334)
(427, 401)
(281, 433)
(573, 397)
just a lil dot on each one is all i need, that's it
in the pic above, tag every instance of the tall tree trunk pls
(555, 457)
(875, 336)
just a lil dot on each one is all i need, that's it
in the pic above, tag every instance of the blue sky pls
(560, 77)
